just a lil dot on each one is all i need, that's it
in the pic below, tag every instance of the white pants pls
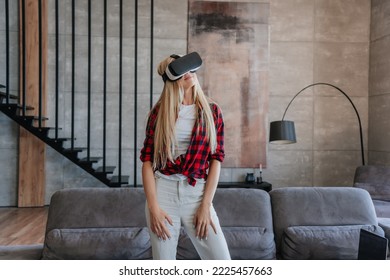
(181, 201)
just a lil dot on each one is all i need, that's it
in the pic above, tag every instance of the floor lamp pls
(283, 132)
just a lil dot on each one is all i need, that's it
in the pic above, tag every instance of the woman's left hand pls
(202, 221)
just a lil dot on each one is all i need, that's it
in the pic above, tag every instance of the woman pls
(184, 140)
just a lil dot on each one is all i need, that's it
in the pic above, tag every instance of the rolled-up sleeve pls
(148, 147)
(220, 130)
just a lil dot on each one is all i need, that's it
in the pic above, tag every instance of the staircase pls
(19, 113)
(32, 20)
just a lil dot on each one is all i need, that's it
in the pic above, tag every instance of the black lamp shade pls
(282, 132)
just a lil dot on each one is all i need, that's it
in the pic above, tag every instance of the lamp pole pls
(349, 99)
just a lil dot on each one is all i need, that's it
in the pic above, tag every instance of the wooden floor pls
(22, 226)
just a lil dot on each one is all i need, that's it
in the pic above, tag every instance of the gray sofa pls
(288, 223)
(110, 224)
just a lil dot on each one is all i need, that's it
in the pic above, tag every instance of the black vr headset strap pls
(164, 76)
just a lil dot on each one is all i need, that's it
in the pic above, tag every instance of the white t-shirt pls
(184, 126)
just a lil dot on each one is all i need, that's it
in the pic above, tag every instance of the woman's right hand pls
(158, 223)
(158, 217)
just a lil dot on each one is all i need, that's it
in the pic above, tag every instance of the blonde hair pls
(168, 111)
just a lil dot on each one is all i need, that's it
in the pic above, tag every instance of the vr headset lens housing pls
(181, 65)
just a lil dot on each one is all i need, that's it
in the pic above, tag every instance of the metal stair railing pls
(9, 104)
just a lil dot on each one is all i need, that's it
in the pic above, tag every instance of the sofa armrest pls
(384, 223)
(21, 252)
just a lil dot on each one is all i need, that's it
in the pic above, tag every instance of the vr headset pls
(181, 65)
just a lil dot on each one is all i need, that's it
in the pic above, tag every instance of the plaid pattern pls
(195, 162)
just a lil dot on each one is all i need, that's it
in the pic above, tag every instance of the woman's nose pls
(188, 74)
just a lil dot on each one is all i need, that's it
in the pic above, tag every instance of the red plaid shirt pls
(195, 163)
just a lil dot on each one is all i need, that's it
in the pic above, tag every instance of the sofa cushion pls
(243, 243)
(323, 242)
(98, 243)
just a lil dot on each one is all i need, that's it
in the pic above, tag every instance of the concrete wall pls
(379, 86)
(310, 41)
(319, 41)
(8, 130)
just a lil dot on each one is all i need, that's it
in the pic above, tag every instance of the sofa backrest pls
(97, 207)
(375, 179)
(314, 212)
(104, 223)
(243, 208)
(246, 219)
(97, 223)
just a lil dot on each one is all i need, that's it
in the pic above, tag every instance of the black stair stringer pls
(27, 122)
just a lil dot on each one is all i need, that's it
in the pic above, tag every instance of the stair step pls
(85, 163)
(102, 175)
(34, 118)
(4, 95)
(91, 159)
(74, 150)
(109, 169)
(14, 107)
(90, 162)
(29, 120)
(45, 130)
(58, 140)
(3, 98)
(73, 153)
(115, 182)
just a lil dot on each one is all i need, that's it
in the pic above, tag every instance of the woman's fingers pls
(159, 225)
(213, 226)
(169, 220)
(202, 229)
(162, 232)
(205, 232)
